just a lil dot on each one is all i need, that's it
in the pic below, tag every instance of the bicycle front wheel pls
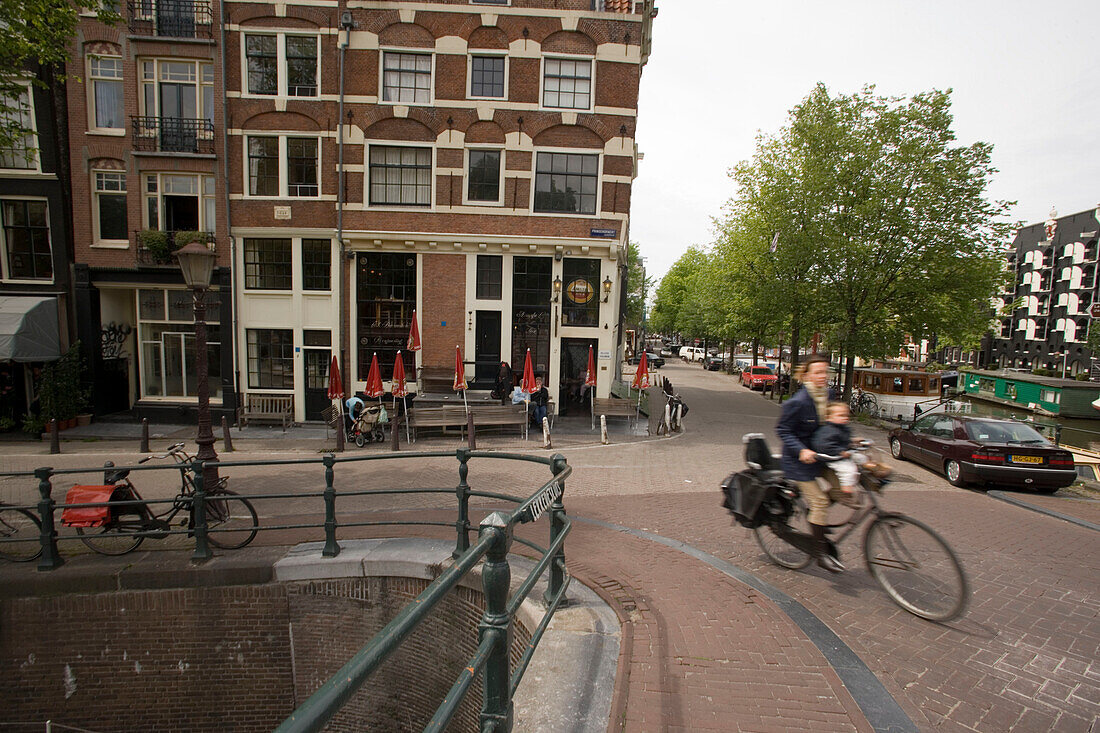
(778, 549)
(19, 535)
(916, 567)
(116, 538)
(230, 520)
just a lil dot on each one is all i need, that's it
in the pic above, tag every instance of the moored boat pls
(1047, 396)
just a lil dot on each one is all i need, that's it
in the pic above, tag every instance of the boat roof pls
(896, 372)
(1036, 379)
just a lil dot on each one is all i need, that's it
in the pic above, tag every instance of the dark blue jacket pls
(796, 427)
(832, 439)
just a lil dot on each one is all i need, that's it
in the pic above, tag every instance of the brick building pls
(1055, 266)
(469, 160)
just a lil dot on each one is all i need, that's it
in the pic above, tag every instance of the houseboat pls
(899, 394)
(1047, 396)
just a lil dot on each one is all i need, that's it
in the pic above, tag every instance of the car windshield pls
(761, 370)
(1003, 432)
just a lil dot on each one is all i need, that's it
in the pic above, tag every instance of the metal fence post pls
(50, 558)
(557, 526)
(462, 491)
(198, 514)
(332, 548)
(496, 706)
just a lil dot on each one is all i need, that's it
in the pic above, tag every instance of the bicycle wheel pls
(230, 520)
(116, 538)
(916, 567)
(778, 549)
(19, 535)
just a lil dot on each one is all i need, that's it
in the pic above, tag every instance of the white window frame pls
(213, 336)
(96, 193)
(199, 64)
(204, 198)
(284, 166)
(92, 79)
(591, 81)
(35, 164)
(397, 144)
(5, 275)
(382, 76)
(470, 73)
(281, 65)
(466, 200)
(572, 151)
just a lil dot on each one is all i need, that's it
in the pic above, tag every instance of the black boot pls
(824, 550)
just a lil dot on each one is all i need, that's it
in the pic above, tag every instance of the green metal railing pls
(495, 537)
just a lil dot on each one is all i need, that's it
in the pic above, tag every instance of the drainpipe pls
(229, 231)
(347, 24)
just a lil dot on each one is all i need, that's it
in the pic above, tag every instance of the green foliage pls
(638, 284)
(37, 34)
(33, 424)
(1042, 372)
(61, 391)
(669, 313)
(1082, 377)
(183, 239)
(156, 242)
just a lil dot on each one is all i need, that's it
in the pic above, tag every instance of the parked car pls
(983, 450)
(692, 353)
(755, 377)
(653, 361)
(714, 363)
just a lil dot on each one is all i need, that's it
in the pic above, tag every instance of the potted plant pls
(155, 242)
(184, 238)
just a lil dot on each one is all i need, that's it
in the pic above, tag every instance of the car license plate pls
(1027, 459)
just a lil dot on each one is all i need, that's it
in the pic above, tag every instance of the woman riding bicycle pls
(801, 416)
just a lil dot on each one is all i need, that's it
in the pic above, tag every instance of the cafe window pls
(489, 273)
(267, 264)
(316, 264)
(531, 292)
(270, 358)
(580, 285)
(166, 325)
(385, 300)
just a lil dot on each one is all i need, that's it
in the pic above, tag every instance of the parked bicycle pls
(19, 534)
(907, 558)
(230, 518)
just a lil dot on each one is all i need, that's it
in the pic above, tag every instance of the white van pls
(693, 353)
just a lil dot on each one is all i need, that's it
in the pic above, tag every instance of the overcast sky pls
(1025, 76)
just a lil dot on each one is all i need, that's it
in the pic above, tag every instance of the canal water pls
(1076, 432)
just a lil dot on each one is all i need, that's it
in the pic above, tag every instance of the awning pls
(28, 329)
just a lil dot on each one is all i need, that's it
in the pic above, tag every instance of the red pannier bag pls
(92, 516)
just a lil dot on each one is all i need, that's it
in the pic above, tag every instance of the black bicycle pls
(913, 564)
(20, 531)
(231, 520)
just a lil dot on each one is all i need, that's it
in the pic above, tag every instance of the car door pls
(915, 440)
(939, 441)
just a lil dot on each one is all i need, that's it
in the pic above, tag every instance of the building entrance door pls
(487, 348)
(317, 351)
(574, 396)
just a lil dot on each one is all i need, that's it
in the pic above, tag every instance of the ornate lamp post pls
(197, 263)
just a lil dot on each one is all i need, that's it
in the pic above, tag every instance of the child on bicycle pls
(834, 438)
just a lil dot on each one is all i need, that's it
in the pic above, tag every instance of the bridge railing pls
(494, 539)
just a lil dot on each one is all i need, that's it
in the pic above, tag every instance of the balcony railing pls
(171, 18)
(172, 135)
(153, 250)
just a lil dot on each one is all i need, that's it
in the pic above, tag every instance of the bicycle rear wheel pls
(19, 535)
(116, 538)
(778, 549)
(230, 520)
(916, 567)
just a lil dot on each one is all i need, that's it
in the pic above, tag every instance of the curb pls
(1001, 496)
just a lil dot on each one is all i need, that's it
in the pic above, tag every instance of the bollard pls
(496, 576)
(677, 419)
(395, 428)
(557, 527)
(603, 430)
(462, 491)
(471, 432)
(144, 435)
(546, 433)
(332, 547)
(225, 434)
(55, 437)
(202, 544)
(668, 418)
(50, 558)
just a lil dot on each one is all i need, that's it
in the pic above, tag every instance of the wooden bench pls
(491, 415)
(613, 407)
(436, 379)
(267, 408)
(447, 416)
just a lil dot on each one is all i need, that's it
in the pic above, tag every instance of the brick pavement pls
(701, 649)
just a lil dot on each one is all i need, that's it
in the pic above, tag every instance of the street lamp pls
(197, 264)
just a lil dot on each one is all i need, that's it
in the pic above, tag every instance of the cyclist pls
(801, 416)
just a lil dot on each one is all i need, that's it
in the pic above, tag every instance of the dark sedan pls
(987, 451)
(653, 361)
(714, 363)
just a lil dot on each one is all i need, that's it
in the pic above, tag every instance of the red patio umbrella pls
(528, 382)
(374, 379)
(400, 389)
(460, 376)
(590, 376)
(413, 343)
(335, 384)
(641, 377)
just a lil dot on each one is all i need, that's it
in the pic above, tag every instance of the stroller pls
(367, 427)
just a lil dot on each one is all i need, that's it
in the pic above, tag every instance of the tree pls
(883, 226)
(638, 285)
(36, 34)
(669, 314)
